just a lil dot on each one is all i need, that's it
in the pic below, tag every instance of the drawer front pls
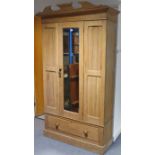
(72, 127)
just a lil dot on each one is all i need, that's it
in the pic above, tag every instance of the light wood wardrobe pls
(79, 71)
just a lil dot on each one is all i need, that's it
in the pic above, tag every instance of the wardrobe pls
(79, 52)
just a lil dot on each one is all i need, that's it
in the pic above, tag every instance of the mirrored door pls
(72, 59)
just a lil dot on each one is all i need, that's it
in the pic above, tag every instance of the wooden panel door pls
(77, 115)
(51, 67)
(38, 67)
(94, 71)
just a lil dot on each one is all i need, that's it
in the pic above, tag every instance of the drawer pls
(72, 127)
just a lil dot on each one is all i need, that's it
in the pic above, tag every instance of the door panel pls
(94, 67)
(71, 81)
(94, 47)
(50, 48)
(51, 89)
(92, 95)
(51, 67)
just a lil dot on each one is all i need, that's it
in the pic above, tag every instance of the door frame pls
(94, 117)
(51, 69)
(63, 112)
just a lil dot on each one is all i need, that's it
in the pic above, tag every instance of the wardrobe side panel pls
(110, 78)
(38, 67)
(110, 70)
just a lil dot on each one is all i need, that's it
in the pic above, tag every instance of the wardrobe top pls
(67, 10)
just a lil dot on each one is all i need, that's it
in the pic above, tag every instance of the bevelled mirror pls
(71, 68)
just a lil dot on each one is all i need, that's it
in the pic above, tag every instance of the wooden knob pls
(56, 126)
(85, 133)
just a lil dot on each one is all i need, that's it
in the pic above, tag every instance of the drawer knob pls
(85, 133)
(56, 126)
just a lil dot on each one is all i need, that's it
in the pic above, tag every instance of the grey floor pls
(48, 146)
